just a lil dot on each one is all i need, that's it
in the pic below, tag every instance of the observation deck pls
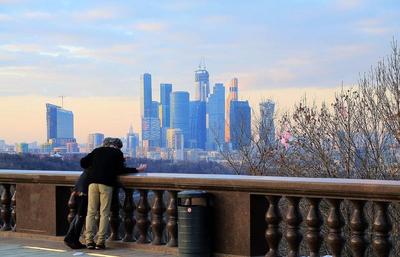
(252, 215)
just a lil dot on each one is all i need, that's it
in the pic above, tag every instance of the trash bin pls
(194, 224)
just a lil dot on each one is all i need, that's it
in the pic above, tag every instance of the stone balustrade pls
(252, 215)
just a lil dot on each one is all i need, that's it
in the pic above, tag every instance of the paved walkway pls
(28, 247)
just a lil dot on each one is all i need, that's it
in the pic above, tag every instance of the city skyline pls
(94, 53)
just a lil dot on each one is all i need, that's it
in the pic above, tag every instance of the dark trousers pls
(75, 228)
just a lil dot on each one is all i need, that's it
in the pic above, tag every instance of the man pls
(75, 228)
(103, 165)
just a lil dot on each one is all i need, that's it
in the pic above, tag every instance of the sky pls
(93, 52)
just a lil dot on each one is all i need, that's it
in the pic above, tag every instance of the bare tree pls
(355, 136)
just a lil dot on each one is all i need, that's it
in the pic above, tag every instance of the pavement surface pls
(43, 248)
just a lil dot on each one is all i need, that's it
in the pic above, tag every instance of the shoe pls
(74, 245)
(100, 246)
(91, 246)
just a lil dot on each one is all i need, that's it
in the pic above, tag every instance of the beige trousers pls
(99, 198)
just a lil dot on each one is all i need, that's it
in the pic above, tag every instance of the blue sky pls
(86, 48)
(89, 49)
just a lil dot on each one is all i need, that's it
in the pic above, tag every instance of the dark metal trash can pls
(194, 224)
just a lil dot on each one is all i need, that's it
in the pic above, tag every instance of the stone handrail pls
(246, 212)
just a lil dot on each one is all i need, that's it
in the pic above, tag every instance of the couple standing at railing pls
(94, 189)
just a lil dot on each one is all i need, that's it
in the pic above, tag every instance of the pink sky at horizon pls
(24, 117)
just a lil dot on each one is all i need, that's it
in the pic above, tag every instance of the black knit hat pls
(112, 141)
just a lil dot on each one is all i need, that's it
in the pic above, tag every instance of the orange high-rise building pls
(232, 96)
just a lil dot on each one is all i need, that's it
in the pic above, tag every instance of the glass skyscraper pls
(132, 142)
(154, 109)
(180, 113)
(151, 131)
(267, 126)
(233, 95)
(165, 111)
(216, 117)
(145, 95)
(60, 125)
(149, 113)
(240, 124)
(202, 84)
(198, 132)
(165, 101)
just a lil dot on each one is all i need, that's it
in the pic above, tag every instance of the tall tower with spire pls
(202, 84)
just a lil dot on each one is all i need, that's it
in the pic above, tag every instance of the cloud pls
(373, 27)
(97, 14)
(38, 15)
(10, 1)
(349, 51)
(217, 19)
(18, 71)
(348, 4)
(20, 48)
(5, 17)
(150, 26)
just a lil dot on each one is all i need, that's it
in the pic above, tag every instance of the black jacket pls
(104, 164)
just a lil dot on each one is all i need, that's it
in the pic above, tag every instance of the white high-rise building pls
(175, 143)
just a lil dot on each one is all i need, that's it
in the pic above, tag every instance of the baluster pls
(157, 222)
(172, 225)
(129, 219)
(381, 228)
(335, 223)
(6, 208)
(72, 206)
(314, 222)
(14, 208)
(114, 216)
(358, 224)
(273, 218)
(143, 220)
(293, 220)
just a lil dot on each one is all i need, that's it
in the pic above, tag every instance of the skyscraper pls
(132, 142)
(154, 109)
(267, 126)
(175, 143)
(149, 113)
(60, 125)
(151, 131)
(216, 117)
(145, 95)
(197, 123)
(240, 124)
(165, 101)
(202, 84)
(94, 140)
(180, 113)
(165, 110)
(232, 96)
